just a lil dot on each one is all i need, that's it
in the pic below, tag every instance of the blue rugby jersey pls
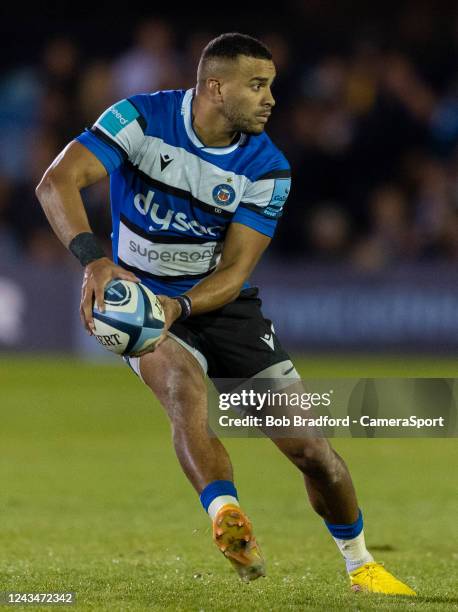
(173, 198)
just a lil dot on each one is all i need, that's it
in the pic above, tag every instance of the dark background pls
(367, 114)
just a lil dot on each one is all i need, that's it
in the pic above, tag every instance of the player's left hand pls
(172, 310)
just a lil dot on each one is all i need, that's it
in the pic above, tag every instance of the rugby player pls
(197, 188)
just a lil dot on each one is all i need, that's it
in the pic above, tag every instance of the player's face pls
(247, 98)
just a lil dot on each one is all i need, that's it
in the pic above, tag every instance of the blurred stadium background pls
(364, 261)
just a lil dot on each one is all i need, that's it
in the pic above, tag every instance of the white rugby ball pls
(133, 319)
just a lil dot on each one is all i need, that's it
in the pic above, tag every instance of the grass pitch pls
(93, 501)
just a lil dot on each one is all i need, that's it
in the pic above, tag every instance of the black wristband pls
(86, 248)
(186, 306)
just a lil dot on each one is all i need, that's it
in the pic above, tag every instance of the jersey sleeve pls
(117, 135)
(263, 201)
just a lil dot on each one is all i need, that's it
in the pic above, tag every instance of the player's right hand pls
(97, 275)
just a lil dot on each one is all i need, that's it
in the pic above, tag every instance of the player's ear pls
(214, 89)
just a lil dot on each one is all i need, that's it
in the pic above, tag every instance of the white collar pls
(186, 111)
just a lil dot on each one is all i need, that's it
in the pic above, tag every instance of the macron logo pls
(122, 120)
(269, 340)
(165, 161)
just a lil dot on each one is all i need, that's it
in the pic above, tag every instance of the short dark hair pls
(233, 44)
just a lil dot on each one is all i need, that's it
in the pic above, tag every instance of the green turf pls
(93, 501)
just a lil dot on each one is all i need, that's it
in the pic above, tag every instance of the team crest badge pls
(223, 195)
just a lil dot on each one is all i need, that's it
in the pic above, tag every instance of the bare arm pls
(59, 195)
(59, 190)
(242, 250)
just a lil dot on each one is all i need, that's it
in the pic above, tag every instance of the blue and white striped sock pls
(217, 494)
(350, 541)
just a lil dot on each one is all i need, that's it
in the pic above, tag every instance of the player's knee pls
(314, 458)
(186, 396)
(189, 425)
